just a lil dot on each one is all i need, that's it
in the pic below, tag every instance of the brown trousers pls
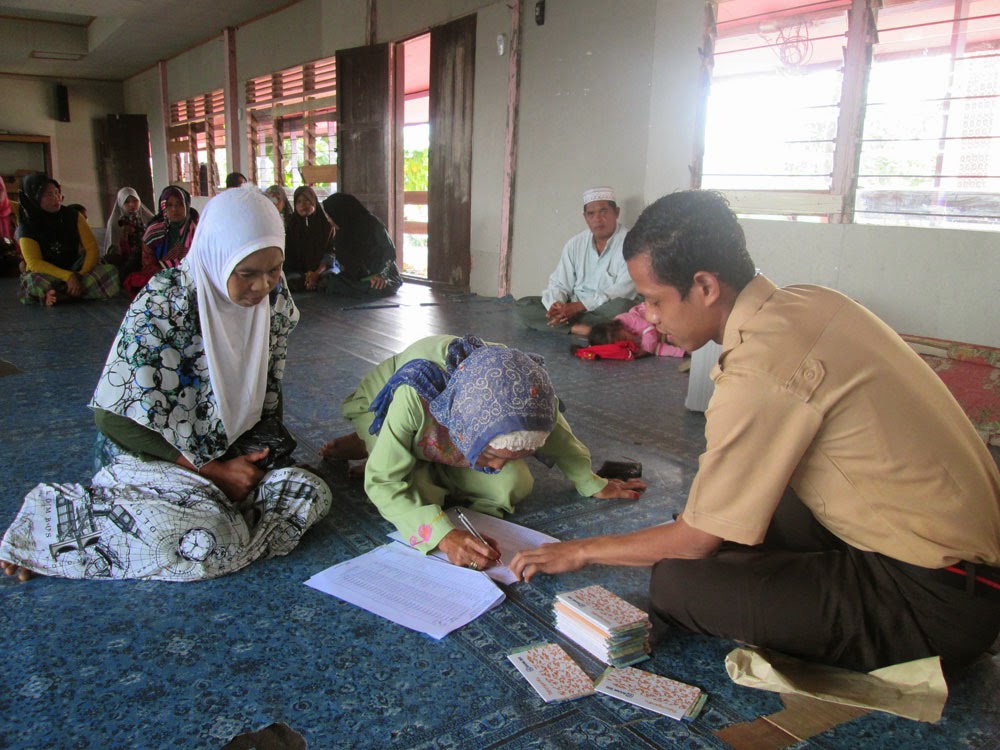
(806, 593)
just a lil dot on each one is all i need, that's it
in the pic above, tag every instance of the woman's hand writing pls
(464, 550)
(621, 489)
(236, 477)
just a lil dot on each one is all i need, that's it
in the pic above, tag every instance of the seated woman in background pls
(124, 231)
(453, 418)
(280, 200)
(197, 363)
(365, 253)
(60, 254)
(309, 239)
(167, 238)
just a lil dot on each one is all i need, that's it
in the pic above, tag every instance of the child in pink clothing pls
(632, 326)
(647, 337)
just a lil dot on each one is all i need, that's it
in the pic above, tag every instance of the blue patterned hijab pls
(484, 391)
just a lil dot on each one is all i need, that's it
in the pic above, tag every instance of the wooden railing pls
(414, 198)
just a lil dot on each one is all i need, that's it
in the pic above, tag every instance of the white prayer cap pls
(602, 193)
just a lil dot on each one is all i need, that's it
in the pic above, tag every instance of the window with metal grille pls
(292, 125)
(196, 142)
(874, 111)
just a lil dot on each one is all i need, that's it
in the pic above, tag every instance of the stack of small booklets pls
(606, 625)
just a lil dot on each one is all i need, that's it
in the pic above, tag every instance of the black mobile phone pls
(620, 470)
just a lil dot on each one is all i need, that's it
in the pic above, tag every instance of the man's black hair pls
(691, 231)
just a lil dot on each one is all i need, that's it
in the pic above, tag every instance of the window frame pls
(840, 202)
(291, 103)
(197, 123)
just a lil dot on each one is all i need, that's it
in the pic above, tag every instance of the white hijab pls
(234, 224)
(113, 232)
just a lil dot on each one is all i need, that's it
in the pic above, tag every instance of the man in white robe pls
(591, 284)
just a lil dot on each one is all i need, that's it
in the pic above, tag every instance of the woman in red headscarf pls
(167, 239)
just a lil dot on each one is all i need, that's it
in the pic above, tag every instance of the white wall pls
(584, 117)
(75, 153)
(489, 124)
(933, 282)
(401, 19)
(142, 95)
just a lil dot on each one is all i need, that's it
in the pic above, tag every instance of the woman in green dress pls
(454, 418)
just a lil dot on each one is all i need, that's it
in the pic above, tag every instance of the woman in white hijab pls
(126, 225)
(198, 361)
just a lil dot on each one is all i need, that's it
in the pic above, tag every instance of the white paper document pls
(405, 586)
(510, 537)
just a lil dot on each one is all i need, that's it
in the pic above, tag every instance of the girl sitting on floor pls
(454, 418)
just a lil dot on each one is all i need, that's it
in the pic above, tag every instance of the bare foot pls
(357, 471)
(345, 448)
(50, 298)
(10, 569)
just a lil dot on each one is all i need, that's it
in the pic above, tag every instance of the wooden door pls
(364, 129)
(125, 159)
(449, 199)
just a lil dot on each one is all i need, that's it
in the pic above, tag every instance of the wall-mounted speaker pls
(62, 103)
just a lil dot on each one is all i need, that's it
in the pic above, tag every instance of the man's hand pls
(621, 489)
(237, 477)
(464, 550)
(561, 313)
(378, 282)
(640, 548)
(558, 557)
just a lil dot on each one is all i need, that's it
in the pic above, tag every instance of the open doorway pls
(379, 96)
(416, 153)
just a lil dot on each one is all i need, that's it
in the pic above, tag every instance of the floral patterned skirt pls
(154, 520)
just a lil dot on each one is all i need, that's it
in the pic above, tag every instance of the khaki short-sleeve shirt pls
(814, 392)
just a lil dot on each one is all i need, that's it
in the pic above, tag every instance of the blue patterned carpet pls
(155, 665)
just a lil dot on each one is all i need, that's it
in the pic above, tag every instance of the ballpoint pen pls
(472, 530)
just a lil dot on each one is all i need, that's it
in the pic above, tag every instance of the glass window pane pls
(931, 149)
(773, 105)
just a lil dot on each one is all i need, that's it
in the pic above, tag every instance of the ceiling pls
(112, 39)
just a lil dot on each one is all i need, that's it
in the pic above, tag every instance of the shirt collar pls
(748, 302)
(593, 242)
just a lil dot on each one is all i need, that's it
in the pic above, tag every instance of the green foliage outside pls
(415, 169)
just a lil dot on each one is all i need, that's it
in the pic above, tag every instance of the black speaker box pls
(62, 103)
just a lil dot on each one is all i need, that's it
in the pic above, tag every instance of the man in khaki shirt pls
(844, 510)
